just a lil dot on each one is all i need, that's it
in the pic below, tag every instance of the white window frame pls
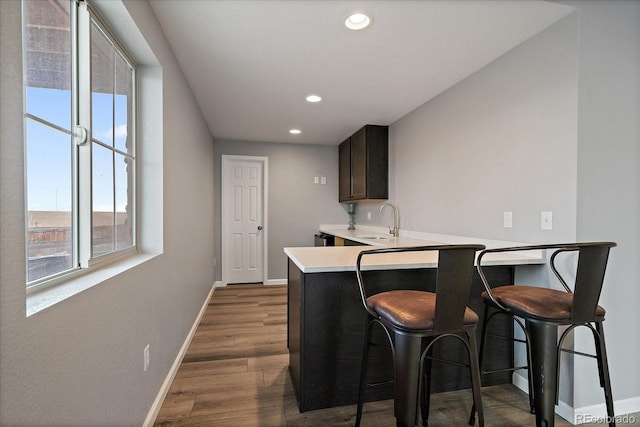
(87, 258)
(83, 261)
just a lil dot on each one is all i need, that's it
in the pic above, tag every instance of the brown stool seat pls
(537, 303)
(411, 310)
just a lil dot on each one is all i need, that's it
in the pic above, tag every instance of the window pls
(80, 111)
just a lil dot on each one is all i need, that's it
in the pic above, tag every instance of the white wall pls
(296, 205)
(608, 192)
(80, 361)
(503, 139)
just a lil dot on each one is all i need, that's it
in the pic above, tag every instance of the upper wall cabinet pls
(364, 165)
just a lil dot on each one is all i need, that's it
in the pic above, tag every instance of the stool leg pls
(407, 373)
(532, 404)
(364, 367)
(603, 370)
(483, 337)
(426, 388)
(544, 340)
(475, 378)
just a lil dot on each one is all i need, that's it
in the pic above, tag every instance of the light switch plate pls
(508, 219)
(546, 220)
(146, 358)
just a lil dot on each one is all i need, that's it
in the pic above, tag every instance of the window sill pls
(48, 297)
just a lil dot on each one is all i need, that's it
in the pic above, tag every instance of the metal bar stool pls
(544, 310)
(414, 320)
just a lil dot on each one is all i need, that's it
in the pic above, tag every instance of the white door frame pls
(226, 159)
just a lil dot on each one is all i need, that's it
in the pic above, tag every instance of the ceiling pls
(250, 64)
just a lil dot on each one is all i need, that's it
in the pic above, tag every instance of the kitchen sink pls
(373, 237)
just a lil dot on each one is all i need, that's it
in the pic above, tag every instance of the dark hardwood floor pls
(235, 374)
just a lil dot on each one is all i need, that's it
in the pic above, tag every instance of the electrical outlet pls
(323, 180)
(546, 221)
(316, 180)
(146, 358)
(508, 219)
(369, 216)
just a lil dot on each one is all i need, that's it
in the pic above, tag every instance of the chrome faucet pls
(392, 230)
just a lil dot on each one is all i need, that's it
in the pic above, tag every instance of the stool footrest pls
(465, 365)
(383, 346)
(380, 383)
(507, 338)
(579, 353)
(515, 368)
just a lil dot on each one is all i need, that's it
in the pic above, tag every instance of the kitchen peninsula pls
(326, 320)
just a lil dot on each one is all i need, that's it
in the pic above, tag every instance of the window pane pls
(123, 106)
(49, 203)
(112, 80)
(51, 105)
(102, 69)
(124, 202)
(48, 61)
(103, 199)
(47, 51)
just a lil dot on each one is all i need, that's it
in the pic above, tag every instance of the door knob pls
(259, 228)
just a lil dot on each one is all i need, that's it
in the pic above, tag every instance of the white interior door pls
(243, 233)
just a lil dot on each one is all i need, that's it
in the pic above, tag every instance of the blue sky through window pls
(49, 151)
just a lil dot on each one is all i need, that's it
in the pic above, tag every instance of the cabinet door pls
(359, 165)
(344, 171)
(377, 162)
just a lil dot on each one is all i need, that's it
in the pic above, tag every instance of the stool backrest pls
(455, 266)
(592, 264)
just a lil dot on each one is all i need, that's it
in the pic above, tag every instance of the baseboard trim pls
(162, 393)
(566, 412)
(589, 414)
(521, 382)
(598, 413)
(270, 282)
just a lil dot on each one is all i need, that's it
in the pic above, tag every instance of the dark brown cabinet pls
(326, 323)
(364, 165)
(344, 171)
(348, 242)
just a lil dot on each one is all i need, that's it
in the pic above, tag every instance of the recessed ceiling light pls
(314, 98)
(357, 21)
(295, 131)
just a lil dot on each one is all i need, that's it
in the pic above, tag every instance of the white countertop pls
(343, 258)
(373, 236)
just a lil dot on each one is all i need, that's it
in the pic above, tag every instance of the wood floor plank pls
(219, 383)
(276, 361)
(176, 406)
(214, 330)
(264, 417)
(234, 352)
(213, 367)
(261, 398)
